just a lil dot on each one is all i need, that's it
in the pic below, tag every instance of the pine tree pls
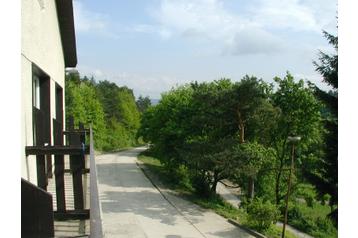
(325, 174)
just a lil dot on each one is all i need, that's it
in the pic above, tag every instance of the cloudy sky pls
(153, 45)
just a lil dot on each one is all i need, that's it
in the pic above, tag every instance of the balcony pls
(64, 204)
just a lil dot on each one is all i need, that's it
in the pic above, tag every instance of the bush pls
(294, 213)
(260, 214)
(311, 220)
(202, 188)
(325, 199)
(178, 176)
(308, 192)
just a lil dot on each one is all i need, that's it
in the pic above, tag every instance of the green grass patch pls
(312, 220)
(276, 232)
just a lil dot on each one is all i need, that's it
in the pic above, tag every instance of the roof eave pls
(67, 30)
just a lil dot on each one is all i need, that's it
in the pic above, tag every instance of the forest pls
(112, 111)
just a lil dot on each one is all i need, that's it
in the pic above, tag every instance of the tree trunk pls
(277, 185)
(251, 188)
(278, 177)
(241, 127)
(213, 187)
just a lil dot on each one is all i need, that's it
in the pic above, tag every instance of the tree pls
(193, 126)
(121, 113)
(250, 96)
(325, 173)
(251, 158)
(299, 116)
(143, 103)
(108, 94)
(111, 110)
(128, 111)
(196, 125)
(212, 133)
(83, 105)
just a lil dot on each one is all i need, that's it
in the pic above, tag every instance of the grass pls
(276, 232)
(312, 220)
(214, 203)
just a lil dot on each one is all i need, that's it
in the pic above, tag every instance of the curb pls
(142, 167)
(251, 232)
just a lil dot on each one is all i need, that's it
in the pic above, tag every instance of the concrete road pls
(132, 207)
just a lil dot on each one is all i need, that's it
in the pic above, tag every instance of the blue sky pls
(153, 45)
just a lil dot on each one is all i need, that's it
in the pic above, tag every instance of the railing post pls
(59, 168)
(75, 165)
(41, 172)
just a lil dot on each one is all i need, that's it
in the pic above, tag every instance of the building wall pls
(40, 45)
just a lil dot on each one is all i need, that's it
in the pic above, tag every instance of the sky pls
(151, 46)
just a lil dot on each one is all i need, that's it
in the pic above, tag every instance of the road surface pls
(132, 207)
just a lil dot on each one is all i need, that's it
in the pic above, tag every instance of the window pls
(36, 92)
(41, 106)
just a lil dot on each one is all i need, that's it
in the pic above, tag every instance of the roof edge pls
(67, 30)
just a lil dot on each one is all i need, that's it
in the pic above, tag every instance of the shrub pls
(260, 214)
(181, 176)
(325, 199)
(311, 220)
(325, 228)
(309, 200)
(201, 186)
(294, 213)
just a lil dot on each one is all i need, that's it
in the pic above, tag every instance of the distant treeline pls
(111, 110)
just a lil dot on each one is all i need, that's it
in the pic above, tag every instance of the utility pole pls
(293, 140)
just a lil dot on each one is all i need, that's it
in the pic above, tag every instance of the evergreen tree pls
(325, 174)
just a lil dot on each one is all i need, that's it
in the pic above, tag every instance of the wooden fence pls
(77, 149)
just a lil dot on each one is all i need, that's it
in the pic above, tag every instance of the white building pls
(48, 46)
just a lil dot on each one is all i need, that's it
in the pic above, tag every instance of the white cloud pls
(198, 17)
(142, 84)
(255, 41)
(288, 14)
(248, 32)
(86, 20)
(209, 20)
(98, 73)
(146, 85)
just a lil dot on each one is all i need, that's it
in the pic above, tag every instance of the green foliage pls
(83, 105)
(261, 215)
(206, 132)
(252, 157)
(196, 125)
(110, 110)
(312, 220)
(276, 232)
(143, 103)
(325, 169)
(307, 192)
(214, 203)
(129, 114)
(299, 115)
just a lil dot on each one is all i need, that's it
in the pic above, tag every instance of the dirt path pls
(132, 207)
